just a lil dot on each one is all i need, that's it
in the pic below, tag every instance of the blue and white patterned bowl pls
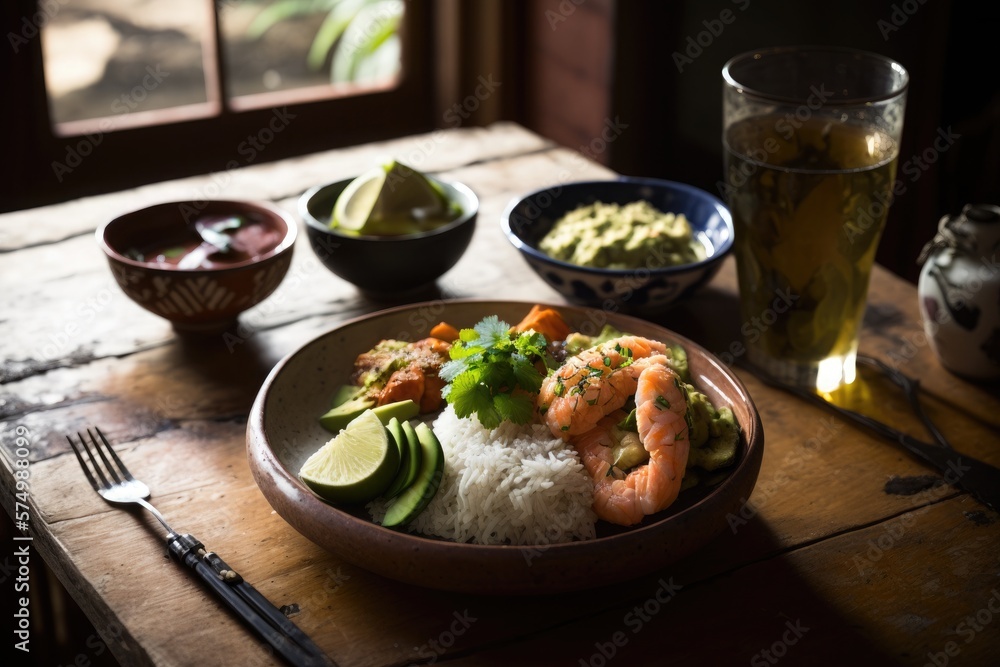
(528, 219)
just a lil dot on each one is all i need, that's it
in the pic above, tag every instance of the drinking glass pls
(811, 138)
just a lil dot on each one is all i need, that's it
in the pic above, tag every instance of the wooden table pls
(828, 564)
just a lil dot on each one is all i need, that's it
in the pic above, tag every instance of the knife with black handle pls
(981, 480)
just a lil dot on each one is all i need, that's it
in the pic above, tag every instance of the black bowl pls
(388, 265)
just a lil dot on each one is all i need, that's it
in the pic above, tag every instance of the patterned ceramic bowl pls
(529, 218)
(146, 250)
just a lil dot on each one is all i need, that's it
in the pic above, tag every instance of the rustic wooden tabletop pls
(849, 551)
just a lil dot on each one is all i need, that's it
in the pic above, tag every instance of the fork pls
(113, 482)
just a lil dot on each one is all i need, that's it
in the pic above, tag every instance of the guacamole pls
(630, 236)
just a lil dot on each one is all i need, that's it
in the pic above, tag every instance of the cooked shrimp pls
(652, 486)
(595, 383)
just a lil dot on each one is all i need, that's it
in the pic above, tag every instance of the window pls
(113, 93)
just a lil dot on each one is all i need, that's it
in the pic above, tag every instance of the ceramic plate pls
(283, 431)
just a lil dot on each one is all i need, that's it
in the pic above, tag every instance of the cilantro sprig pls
(492, 372)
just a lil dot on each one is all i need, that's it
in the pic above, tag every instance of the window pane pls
(346, 46)
(115, 57)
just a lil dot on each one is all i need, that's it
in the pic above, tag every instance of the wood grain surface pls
(828, 563)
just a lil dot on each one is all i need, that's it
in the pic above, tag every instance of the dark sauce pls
(212, 241)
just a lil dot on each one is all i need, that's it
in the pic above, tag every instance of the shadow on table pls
(234, 362)
(738, 601)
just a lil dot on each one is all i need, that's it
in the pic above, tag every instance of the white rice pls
(512, 485)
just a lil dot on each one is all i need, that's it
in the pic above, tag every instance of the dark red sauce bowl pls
(205, 299)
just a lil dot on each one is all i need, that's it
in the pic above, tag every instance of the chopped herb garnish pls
(660, 400)
(607, 361)
(626, 353)
(492, 373)
(629, 422)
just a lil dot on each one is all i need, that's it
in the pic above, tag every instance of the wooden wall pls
(568, 71)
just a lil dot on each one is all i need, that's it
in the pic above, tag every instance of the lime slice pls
(390, 200)
(355, 466)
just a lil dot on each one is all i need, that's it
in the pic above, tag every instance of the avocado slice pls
(396, 431)
(414, 499)
(409, 449)
(678, 362)
(342, 415)
(347, 392)
(720, 448)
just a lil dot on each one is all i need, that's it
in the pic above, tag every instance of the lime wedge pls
(355, 466)
(355, 203)
(389, 201)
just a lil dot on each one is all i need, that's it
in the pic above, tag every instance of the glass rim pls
(890, 63)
